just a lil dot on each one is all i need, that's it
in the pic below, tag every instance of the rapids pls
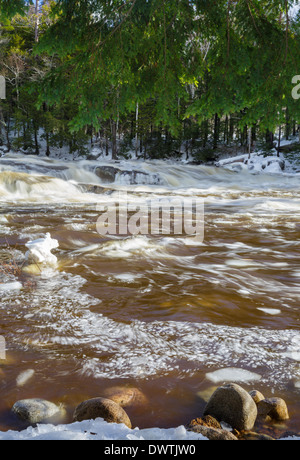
(163, 312)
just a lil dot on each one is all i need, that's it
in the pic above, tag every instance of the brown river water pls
(161, 313)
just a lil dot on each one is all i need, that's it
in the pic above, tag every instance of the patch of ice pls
(232, 374)
(270, 311)
(24, 377)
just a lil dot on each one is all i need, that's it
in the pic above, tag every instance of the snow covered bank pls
(258, 163)
(99, 430)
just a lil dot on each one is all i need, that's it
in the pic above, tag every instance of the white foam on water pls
(130, 247)
(284, 205)
(107, 348)
(141, 349)
(233, 375)
(242, 263)
(126, 277)
(86, 249)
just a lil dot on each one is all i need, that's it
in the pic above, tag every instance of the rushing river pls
(162, 313)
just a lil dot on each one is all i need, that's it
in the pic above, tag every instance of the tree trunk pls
(249, 141)
(36, 26)
(226, 130)
(279, 141)
(269, 139)
(216, 131)
(205, 133)
(47, 144)
(231, 128)
(114, 139)
(136, 129)
(106, 143)
(287, 125)
(37, 150)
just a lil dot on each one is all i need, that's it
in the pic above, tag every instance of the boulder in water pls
(104, 408)
(36, 410)
(233, 405)
(126, 396)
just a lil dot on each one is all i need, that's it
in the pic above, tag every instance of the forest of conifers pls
(148, 75)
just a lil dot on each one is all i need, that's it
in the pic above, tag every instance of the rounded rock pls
(256, 396)
(213, 434)
(232, 404)
(275, 408)
(104, 408)
(36, 410)
(207, 421)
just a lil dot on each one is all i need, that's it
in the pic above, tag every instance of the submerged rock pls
(111, 174)
(104, 408)
(36, 410)
(233, 405)
(126, 396)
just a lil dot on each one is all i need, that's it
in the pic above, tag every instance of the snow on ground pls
(96, 152)
(258, 163)
(99, 430)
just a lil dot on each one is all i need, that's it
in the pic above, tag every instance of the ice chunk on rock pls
(40, 251)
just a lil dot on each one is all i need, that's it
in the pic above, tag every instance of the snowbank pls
(257, 163)
(99, 430)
